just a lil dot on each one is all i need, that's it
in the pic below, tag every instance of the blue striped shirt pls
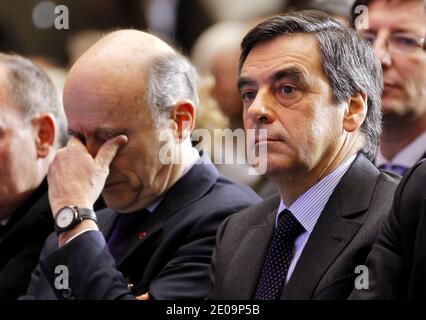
(308, 207)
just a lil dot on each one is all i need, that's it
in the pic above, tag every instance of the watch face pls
(65, 217)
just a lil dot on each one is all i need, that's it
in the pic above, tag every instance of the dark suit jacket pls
(339, 242)
(20, 247)
(397, 262)
(171, 261)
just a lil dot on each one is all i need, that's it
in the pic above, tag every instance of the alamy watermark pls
(224, 145)
(362, 282)
(47, 14)
(62, 277)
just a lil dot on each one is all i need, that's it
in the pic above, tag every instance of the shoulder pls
(412, 190)
(256, 215)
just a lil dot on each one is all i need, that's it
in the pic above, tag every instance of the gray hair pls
(171, 78)
(33, 92)
(347, 59)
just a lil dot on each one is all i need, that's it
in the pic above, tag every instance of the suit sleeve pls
(186, 275)
(90, 272)
(15, 275)
(385, 261)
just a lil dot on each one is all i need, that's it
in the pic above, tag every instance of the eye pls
(248, 96)
(286, 90)
(405, 41)
(370, 38)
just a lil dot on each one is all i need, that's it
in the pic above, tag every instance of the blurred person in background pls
(216, 54)
(398, 42)
(32, 128)
(396, 263)
(338, 9)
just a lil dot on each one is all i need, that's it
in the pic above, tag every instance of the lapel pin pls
(142, 235)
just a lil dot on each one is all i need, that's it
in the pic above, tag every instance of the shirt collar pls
(408, 156)
(308, 207)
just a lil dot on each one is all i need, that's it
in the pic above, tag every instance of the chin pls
(116, 201)
(393, 107)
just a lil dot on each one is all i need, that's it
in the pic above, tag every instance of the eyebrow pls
(109, 131)
(396, 30)
(292, 73)
(76, 134)
(98, 132)
(245, 81)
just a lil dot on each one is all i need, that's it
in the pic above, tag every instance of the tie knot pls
(394, 168)
(288, 226)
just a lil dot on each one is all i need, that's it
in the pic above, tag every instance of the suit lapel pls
(32, 220)
(243, 272)
(335, 228)
(189, 188)
(106, 221)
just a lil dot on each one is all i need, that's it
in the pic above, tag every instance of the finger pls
(109, 149)
(76, 143)
(144, 296)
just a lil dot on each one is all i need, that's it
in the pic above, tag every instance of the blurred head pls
(32, 127)
(216, 52)
(314, 85)
(398, 42)
(120, 87)
(338, 9)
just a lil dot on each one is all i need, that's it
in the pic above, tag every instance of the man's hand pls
(76, 178)
(144, 296)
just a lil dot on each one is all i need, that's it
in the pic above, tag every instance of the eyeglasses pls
(397, 42)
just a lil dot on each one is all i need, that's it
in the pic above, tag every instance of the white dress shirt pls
(309, 206)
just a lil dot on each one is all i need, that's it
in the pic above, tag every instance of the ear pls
(184, 118)
(44, 126)
(356, 112)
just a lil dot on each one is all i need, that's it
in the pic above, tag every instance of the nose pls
(381, 49)
(260, 111)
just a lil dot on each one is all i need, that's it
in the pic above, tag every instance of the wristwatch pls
(69, 216)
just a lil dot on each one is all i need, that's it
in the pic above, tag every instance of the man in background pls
(396, 30)
(32, 128)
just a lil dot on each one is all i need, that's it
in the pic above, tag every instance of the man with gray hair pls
(32, 128)
(130, 103)
(314, 85)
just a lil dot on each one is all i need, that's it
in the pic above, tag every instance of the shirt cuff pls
(78, 234)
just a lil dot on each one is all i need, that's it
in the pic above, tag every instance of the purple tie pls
(279, 257)
(394, 168)
(126, 227)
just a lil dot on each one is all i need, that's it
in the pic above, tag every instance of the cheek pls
(14, 170)
(5, 162)
(411, 72)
